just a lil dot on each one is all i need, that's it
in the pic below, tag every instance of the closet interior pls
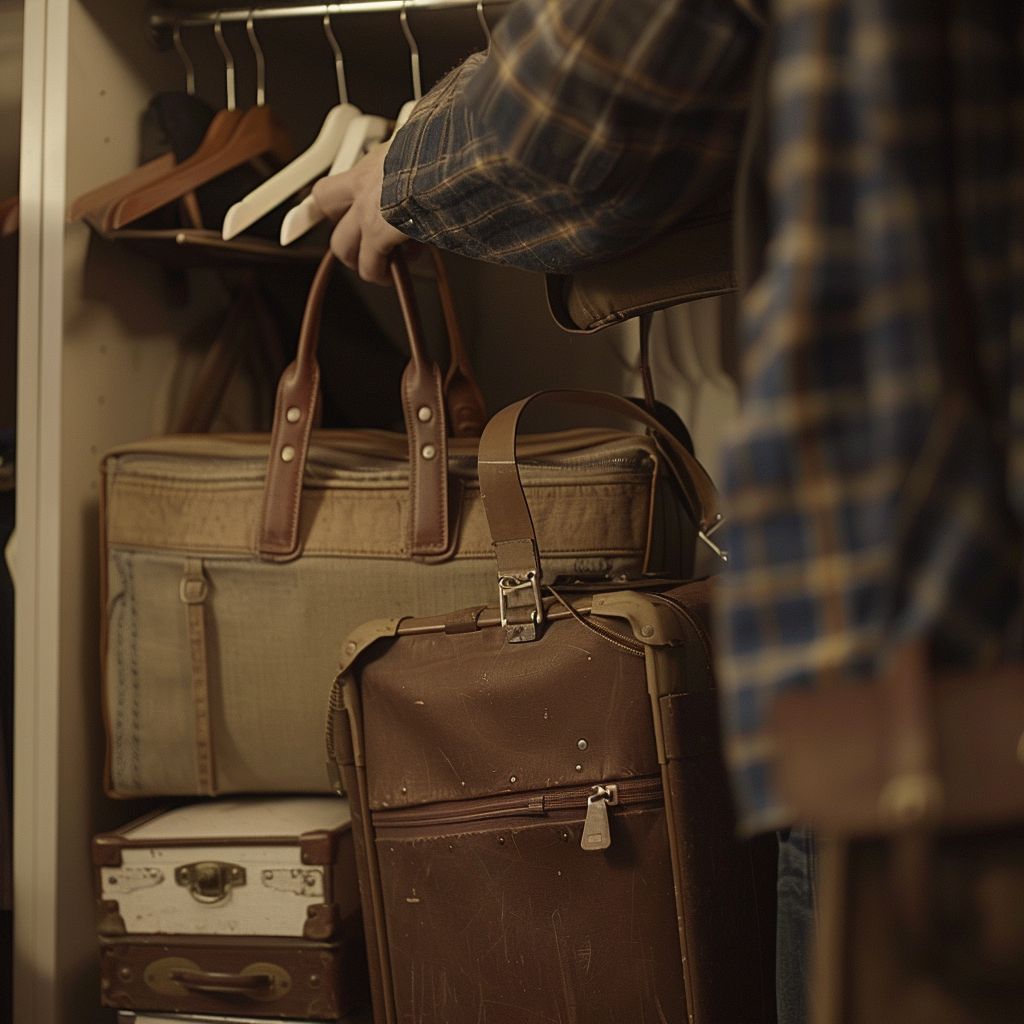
(113, 331)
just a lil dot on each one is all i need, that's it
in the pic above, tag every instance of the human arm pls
(587, 128)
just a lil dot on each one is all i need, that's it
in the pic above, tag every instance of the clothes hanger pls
(417, 80)
(362, 133)
(100, 198)
(303, 169)
(258, 132)
(482, 18)
(221, 128)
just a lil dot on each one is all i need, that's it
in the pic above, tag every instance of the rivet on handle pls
(287, 453)
(294, 414)
(425, 414)
(428, 452)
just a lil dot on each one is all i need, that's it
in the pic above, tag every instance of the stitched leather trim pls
(193, 591)
(298, 389)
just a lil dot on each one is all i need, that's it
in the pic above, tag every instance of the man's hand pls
(362, 239)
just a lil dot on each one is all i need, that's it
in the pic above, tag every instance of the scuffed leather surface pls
(456, 717)
(509, 919)
(520, 925)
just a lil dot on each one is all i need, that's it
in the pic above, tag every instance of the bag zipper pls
(595, 800)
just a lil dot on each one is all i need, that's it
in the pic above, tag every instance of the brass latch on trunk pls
(210, 881)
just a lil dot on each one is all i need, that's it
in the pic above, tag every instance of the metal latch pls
(125, 880)
(210, 881)
(521, 632)
(308, 882)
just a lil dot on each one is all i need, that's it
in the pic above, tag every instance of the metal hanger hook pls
(480, 16)
(229, 62)
(414, 56)
(339, 60)
(261, 66)
(190, 70)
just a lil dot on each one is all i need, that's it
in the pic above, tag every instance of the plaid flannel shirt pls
(862, 509)
(588, 127)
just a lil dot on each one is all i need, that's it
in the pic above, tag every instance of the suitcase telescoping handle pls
(508, 515)
(423, 405)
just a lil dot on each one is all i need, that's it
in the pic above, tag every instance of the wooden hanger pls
(100, 199)
(114, 191)
(255, 133)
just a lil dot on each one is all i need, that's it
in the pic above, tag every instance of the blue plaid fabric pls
(867, 503)
(588, 127)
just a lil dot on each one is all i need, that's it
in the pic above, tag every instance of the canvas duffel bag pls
(542, 818)
(227, 589)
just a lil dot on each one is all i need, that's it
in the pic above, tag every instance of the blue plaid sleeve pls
(589, 127)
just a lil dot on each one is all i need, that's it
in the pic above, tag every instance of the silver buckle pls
(509, 584)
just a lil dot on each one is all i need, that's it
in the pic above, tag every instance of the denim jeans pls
(795, 920)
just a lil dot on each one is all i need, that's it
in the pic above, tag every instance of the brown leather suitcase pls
(543, 828)
(246, 906)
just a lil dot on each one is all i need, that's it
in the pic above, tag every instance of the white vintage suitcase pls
(246, 906)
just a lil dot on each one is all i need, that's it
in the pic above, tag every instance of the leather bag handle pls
(217, 982)
(423, 407)
(467, 411)
(508, 515)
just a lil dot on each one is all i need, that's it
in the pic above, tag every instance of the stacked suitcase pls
(236, 905)
(539, 827)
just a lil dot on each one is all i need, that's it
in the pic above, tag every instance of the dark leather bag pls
(543, 822)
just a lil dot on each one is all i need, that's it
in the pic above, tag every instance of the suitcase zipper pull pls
(596, 832)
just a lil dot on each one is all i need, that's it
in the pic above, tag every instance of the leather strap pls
(297, 394)
(215, 374)
(646, 322)
(425, 427)
(193, 592)
(508, 515)
(913, 794)
(430, 532)
(467, 411)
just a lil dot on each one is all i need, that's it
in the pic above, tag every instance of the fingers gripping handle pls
(508, 515)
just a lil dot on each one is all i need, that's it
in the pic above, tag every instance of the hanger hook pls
(229, 62)
(480, 16)
(261, 67)
(339, 60)
(190, 71)
(414, 56)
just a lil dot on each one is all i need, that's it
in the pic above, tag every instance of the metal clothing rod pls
(170, 18)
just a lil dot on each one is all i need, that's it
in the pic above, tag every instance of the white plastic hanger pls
(303, 169)
(362, 133)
